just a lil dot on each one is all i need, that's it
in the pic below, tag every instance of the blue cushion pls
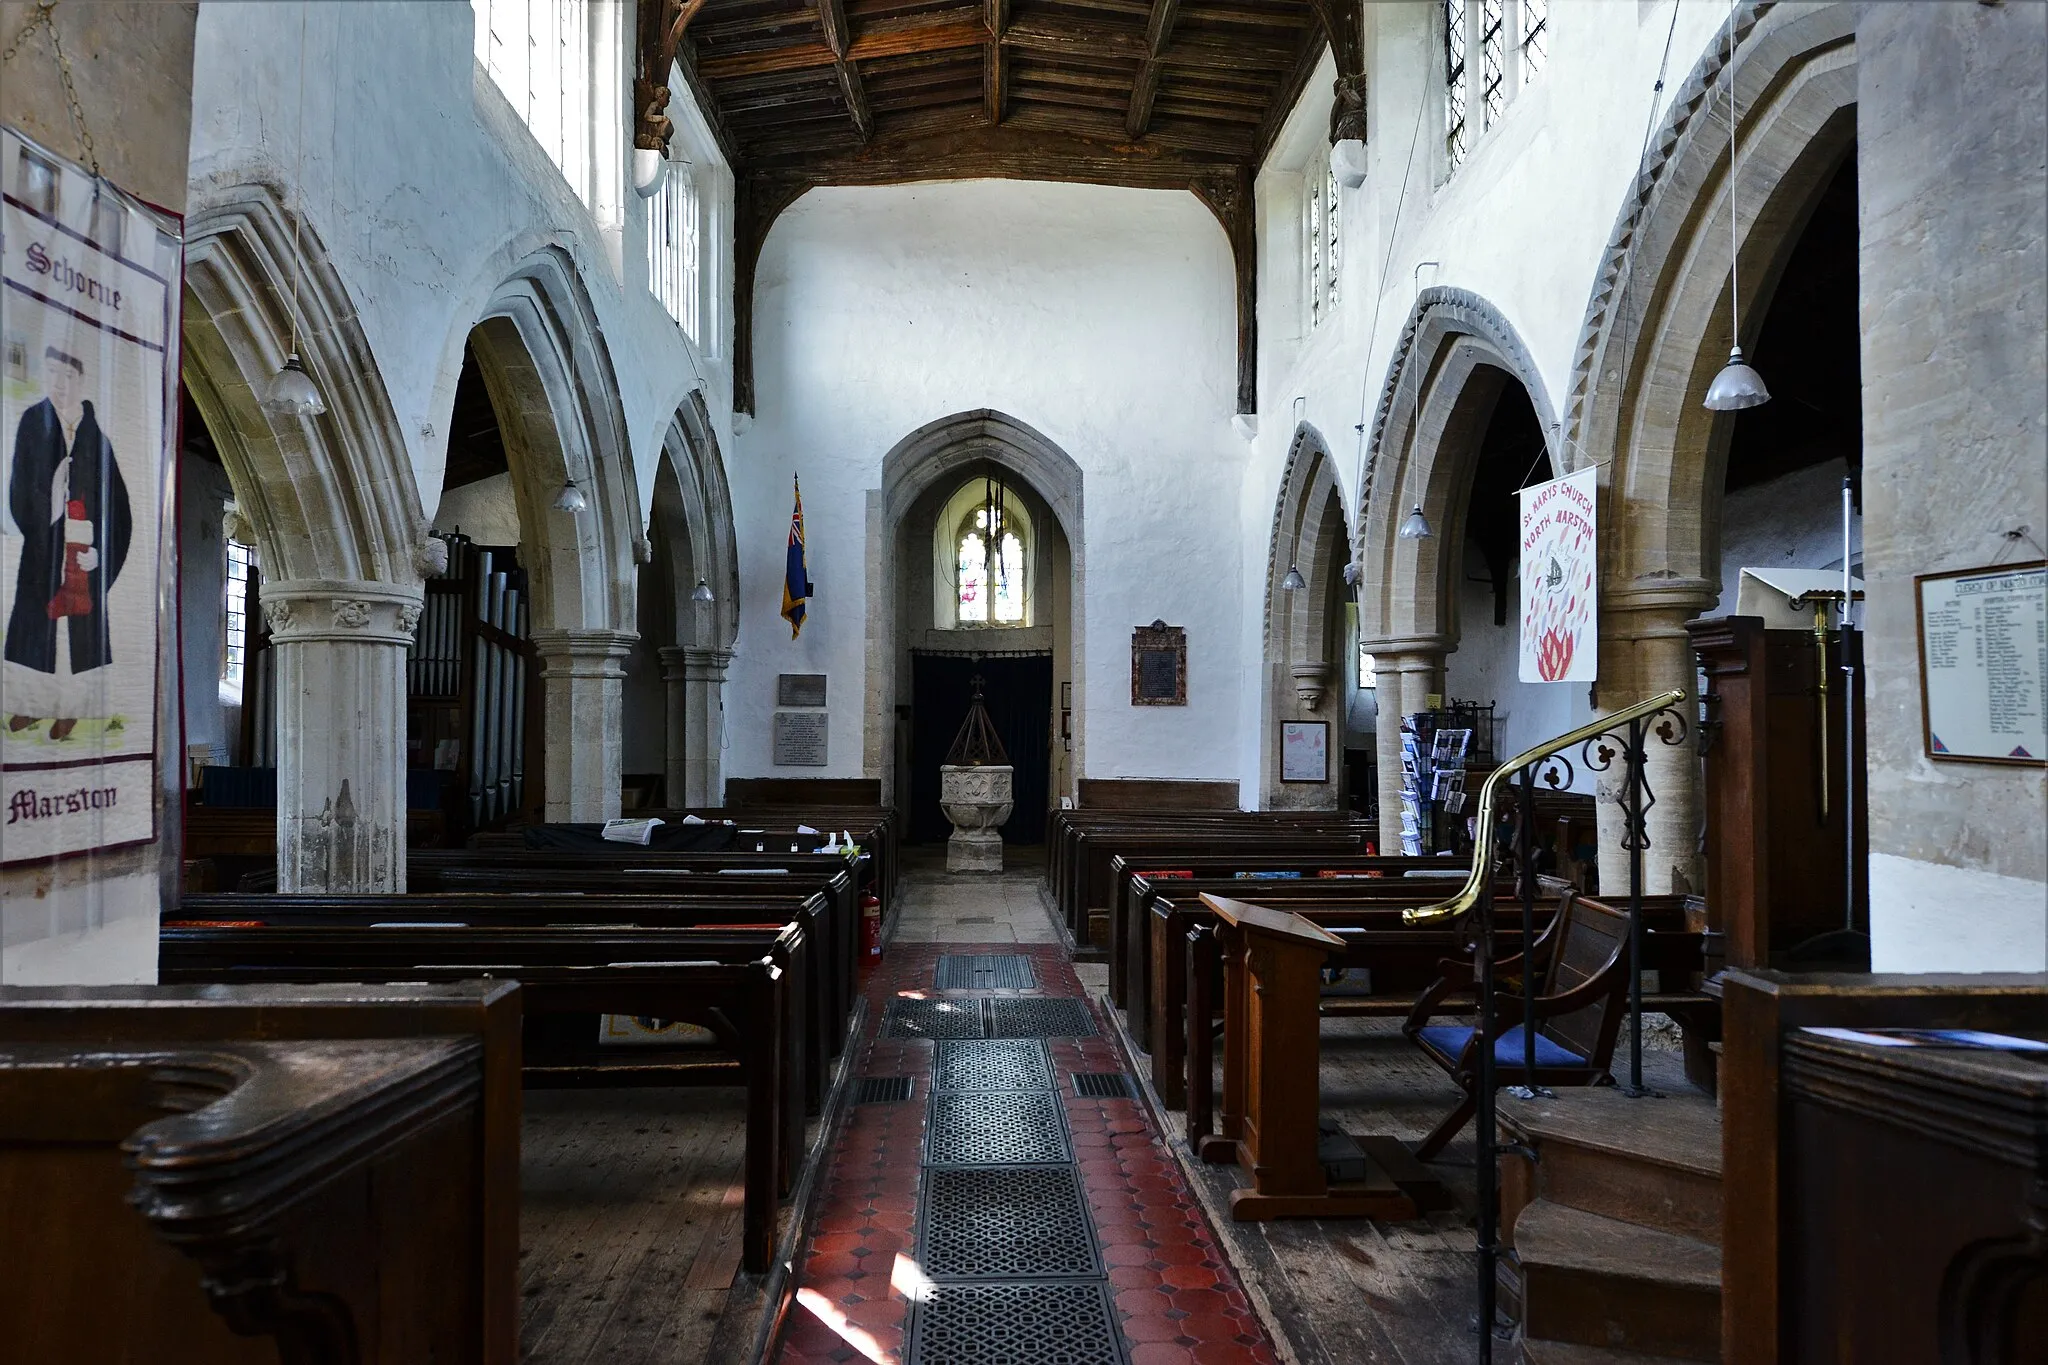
(1450, 1039)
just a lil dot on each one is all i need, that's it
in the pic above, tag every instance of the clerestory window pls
(554, 60)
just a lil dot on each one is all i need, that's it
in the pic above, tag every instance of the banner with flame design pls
(1561, 579)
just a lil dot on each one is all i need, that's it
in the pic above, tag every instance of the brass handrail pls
(1480, 882)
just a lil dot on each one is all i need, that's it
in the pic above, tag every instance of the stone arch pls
(336, 512)
(691, 531)
(329, 497)
(1455, 354)
(938, 453)
(1656, 331)
(544, 363)
(550, 377)
(1303, 663)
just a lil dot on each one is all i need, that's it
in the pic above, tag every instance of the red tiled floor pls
(1177, 1301)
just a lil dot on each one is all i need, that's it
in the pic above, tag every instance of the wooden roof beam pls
(996, 15)
(1158, 33)
(839, 38)
(947, 33)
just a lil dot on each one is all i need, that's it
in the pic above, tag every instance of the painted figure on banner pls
(70, 507)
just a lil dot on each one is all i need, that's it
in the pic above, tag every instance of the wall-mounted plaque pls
(1984, 663)
(800, 689)
(1159, 665)
(1305, 751)
(800, 739)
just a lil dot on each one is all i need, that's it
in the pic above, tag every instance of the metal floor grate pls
(1040, 1018)
(995, 1127)
(1016, 1222)
(1000, 1064)
(933, 1019)
(985, 972)
(1102, 1085)
(883, 1089)
(1014, 1324)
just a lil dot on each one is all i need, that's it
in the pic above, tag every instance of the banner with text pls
(1560, 580)
(89, 282)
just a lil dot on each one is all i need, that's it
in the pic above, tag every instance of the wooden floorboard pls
(1344, 1290)
(621, 1190)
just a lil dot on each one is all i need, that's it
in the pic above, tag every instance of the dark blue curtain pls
(1017, 693)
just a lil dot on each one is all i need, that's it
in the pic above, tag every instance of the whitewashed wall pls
(426, 190)
(1102, 318)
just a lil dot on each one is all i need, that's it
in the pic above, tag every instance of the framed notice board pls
(1984, 663)
(1159, 665)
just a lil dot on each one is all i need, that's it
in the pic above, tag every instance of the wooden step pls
(1596, 1281)
(1570, 1353)
(1652, 1161)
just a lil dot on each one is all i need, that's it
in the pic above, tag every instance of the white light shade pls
(702, 593)
(292, 392)
(1737, 386)
(1294, 582)
(570, 499)
(650, 168)
(1347, 162)
(1415, 526)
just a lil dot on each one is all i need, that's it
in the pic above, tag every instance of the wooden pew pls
(733, 981)
(307, 1129)
(1815, 1262)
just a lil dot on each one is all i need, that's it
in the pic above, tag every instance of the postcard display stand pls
(1433, 756)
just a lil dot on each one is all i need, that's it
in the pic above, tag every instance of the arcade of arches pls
(723, 407)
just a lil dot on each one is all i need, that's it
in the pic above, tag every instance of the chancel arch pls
(1308, 679)
(1657, 330)
(1459, 365)
(331, 503)
(939, 479)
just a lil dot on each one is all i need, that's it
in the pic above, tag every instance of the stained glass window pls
(990, 592)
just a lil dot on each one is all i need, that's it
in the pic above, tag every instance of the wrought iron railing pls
(1620, 736)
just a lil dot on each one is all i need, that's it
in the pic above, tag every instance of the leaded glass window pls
(1535, 37)
(1493, 61)
(1455, 142)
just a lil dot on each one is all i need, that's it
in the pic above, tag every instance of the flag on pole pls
(796, 577)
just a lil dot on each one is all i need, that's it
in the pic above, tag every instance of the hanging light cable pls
(1738, 385)
(291, 391)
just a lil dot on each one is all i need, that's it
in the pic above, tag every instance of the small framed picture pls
(1305, 751)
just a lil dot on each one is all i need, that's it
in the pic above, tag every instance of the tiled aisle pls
(864, 1291)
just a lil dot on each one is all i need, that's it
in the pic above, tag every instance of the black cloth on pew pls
(666, 838)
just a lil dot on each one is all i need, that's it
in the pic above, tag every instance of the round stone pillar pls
(1407, 673)
(1643, 650)
(583, 679)
(696, 724)
(339, 655)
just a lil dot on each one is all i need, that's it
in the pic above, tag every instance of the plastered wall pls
(1103, 319)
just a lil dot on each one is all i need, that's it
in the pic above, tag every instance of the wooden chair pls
(1578, 1011)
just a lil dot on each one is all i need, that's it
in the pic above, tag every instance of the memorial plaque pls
(800, 739)
(800, 689)
(1159, 665)
(1984, 663)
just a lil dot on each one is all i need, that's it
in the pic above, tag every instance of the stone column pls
(339, 651)
(1408, 671)
(696, 723)
(1644, 649)
(583, 699)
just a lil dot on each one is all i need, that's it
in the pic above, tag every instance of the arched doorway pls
(948, 600)
(1310, 681)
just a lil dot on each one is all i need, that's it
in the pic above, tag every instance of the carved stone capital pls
(1311, 680)
(584, 653)
(305, 610)
(688, 663)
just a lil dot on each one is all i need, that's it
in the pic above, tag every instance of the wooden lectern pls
(1272, 1100)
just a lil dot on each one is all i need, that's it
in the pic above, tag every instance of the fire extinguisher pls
(871, 927)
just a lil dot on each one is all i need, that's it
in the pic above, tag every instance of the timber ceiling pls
(1172, 94)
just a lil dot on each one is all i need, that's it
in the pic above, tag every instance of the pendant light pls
(1294, 582)
(702, 592)
(1415, 526)
(570, 499)
(1738, 385)
(291, 391)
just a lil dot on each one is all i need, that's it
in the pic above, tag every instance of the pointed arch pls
(333, 497)
(1456, 353)
(943, 452)
(1303, 664)
(693, 509)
